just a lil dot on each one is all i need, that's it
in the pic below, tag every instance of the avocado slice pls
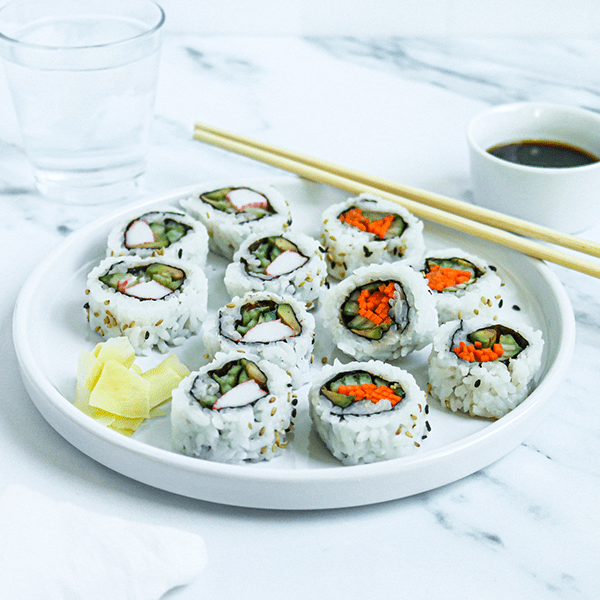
(341, 400)
(286, 313)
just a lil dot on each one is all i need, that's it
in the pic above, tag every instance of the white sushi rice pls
(481, 297)
(292, 354)
(253, 432)
(397, 341)
(192, 247)
(147, 323)
(383, 432)
(225, 230)
(488, 389)
(348, 247)
(306, 283)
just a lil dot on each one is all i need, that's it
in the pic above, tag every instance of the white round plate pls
(50, 330)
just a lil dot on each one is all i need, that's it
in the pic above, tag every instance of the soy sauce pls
(543, 153)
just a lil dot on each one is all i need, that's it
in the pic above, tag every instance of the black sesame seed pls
(147, 335)
(427, 409)
(428, 425)
(493, 268)
(501, 303)
(516, 307)
(367, 252)
(180, 252)
(478, 383)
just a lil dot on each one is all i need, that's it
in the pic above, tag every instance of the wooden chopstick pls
(339, 177)
(457, 207)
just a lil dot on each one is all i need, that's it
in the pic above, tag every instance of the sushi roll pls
(153, 301)
(382, 311)
(370, 230)
(230, 212)
(368, 411)
(278, 328)
(482, 367)
(234, 409)
(463, 285)
(289, 263)
(168, 234)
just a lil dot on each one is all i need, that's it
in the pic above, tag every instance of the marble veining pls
(524, 527)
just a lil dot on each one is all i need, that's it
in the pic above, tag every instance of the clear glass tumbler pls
(83, 75)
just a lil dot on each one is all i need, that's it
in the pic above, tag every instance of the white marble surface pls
(525, 527)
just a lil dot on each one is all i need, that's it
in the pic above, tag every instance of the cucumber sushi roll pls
(168, 234)
(289, 263)
(230, 212)
(484, 367)
(278, 328)
(153, 301)
(368, 411)
(463, 285)
(370, 230)
(234, 409)
(382, 311)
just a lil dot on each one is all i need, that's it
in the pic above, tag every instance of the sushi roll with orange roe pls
(463, 285)
(370, 230)
(368, 411)
(483, 367)
(381, 311)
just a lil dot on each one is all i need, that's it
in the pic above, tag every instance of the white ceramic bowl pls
(566, 199)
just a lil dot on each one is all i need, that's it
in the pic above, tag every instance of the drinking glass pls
(83, 75)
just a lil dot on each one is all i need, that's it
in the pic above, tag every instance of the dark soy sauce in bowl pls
(543, 153)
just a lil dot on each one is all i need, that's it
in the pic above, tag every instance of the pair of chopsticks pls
(474, 220)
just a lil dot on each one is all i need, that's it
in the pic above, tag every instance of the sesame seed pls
(106, 302)
(262, 431)
(272, 399)
(158, 323)
(263, 449)
(399, 431)
(273, 410)
(324, 360)
(87, 292)
(408, 434)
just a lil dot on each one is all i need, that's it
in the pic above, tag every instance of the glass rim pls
(46, 47)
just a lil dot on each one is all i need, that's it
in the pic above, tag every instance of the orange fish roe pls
(440, 278)
(370, 391)
(474, 352)
(355, 217)
(375, 306)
